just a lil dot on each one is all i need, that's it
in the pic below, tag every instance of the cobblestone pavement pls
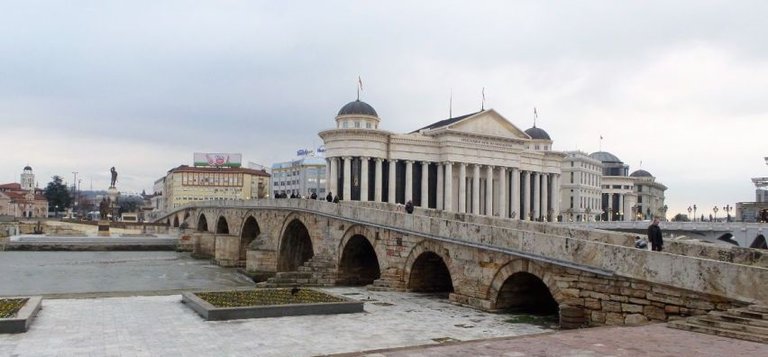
(163, 326)
(655, 340)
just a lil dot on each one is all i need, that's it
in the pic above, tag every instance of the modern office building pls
(301, 177)
(478, 163)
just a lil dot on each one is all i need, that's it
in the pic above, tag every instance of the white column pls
(610, 207)
(502, 196)
(516, 193)
(392, 180)
(476, 189)
(334, 179)
(448, 203)
(489, 191)
(556, 196)
(377, 183)
(408, 181)
(347, 179)
(462, 187)
(527, 196)
(536, 196)
(439, 188)
(327, 177)
(621, 207)
(545, 196)
(424, 184)
(364, 179)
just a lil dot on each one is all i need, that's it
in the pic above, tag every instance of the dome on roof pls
(641, 173)
(27, 168)
(537, 133)
(358, 107)
(604, 156)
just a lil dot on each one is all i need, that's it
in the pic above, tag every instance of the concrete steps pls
(748, 323)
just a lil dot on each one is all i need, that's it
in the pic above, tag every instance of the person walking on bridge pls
(654, 236)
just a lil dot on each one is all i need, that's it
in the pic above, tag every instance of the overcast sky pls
(681, 86)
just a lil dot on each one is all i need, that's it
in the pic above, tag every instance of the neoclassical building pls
(477, 163)
(23, 199)
(628, 197)
(581, 187)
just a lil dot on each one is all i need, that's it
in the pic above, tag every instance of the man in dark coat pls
(654, 236)
(329, 197)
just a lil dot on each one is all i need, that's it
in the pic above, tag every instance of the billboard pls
(218, 159)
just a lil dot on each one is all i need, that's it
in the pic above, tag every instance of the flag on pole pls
(482, 105)
(360, 82)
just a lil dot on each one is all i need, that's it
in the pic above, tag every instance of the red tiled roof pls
(10, 187)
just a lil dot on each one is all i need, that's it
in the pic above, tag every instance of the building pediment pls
(490, 123)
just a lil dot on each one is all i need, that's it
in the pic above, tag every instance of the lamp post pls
(694, 213)
(689, 211)
(727, 209)
(715, 210)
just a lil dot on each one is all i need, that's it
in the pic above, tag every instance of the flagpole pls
(450, 105)
(482, 103)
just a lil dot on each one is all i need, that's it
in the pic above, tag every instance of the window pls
(357, 124)
(368, 125)
(345, 124)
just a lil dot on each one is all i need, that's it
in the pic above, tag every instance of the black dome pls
(604, 156)
(27, 168)
(359, 108)
(537, 133)
(641, 173)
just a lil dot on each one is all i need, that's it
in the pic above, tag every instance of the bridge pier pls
(227, 250)
(204, 245)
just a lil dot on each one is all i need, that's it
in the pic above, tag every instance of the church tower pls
(27, 179)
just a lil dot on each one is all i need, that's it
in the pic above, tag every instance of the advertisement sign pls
(218, 159)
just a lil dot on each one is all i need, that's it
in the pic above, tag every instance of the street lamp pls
(715, 210)
(694, 213)
(727, 209)
(689, 211)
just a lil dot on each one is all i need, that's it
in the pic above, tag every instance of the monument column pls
(527, 195)
(439, 189)
(545, 197)
(489, 191)
(347, 179)
(448, 203)
(462, 187)
(476, 189)
(502, 197)
(408, 180)
(377, 183)
(392, 180)
(425, 184)
(364, 179)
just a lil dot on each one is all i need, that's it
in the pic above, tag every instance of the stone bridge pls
(489, 263)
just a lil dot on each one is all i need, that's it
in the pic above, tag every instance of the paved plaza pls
(87, 320)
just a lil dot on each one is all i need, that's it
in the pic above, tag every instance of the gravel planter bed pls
(256, 303)
(16, 313)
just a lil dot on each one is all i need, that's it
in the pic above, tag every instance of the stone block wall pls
(227, 250)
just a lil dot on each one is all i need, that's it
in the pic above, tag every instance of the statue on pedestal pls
(114, 176)
(104, 208)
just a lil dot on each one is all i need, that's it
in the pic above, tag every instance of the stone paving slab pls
(655, 340)
(163, 326)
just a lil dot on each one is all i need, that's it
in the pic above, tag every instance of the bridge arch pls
(250, 231)
(759, 242)
(523, 285)
(176, 221)
(222, 227)
(358, 259)
(202, 223)
(427, 269)
(295, 245)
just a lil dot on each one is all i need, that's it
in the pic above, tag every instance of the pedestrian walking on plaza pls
(654, 236)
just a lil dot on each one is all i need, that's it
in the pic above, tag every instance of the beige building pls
(23, 199)
(581, 187)
(478, 163)
(186, 184)
(650, 196)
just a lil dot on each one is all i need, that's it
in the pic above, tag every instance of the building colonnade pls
(480, 189)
